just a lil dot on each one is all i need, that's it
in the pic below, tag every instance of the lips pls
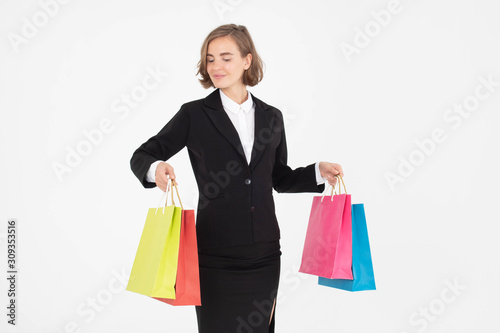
(218, 76)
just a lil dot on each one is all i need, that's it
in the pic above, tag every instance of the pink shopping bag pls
(328, 244)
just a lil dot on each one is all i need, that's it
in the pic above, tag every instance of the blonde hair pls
(240, 35)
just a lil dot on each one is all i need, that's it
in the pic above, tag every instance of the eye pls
(227, 59)
(210, 60)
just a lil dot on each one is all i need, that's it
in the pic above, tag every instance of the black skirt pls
(239, 286)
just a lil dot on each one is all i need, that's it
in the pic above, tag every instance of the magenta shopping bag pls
(328, 244)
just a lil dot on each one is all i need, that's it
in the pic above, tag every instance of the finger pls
(338, 170)
(172, 178)
(162, 181)
(332, 169)
(170, 173)
(332, 180)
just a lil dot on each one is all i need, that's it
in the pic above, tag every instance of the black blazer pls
(236, 205)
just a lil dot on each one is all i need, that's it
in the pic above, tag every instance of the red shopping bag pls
(187, 285)
(328, 244)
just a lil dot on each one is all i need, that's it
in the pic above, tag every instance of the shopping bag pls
(154, 269)
(187, 286)
(362, 266)
(328, 244)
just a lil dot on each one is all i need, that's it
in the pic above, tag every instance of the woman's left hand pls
(329, 171)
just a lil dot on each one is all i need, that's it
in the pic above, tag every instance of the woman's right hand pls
(164, 172)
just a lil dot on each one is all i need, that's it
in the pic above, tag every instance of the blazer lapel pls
(264, 125)
(222, 122)
(264, 130)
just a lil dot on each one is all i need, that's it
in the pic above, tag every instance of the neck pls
(238, 94)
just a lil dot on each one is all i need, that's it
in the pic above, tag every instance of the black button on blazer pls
(235, 205)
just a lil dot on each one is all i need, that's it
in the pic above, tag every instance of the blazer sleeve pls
(169, 140)
(302, 179)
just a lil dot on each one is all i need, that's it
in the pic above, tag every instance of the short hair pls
(240, 35)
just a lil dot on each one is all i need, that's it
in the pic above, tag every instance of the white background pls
(366, 111)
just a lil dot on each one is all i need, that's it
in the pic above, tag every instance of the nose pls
(217, 64)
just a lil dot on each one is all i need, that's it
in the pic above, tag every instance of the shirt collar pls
(234, 107)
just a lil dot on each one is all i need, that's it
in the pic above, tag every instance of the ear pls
(248, 61)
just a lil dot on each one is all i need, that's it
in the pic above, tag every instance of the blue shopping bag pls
(362, 267)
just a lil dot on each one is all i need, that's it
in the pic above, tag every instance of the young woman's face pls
(225, 64)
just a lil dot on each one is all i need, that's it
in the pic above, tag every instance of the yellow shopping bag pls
(155, 265)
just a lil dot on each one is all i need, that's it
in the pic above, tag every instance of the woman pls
(237, 147)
